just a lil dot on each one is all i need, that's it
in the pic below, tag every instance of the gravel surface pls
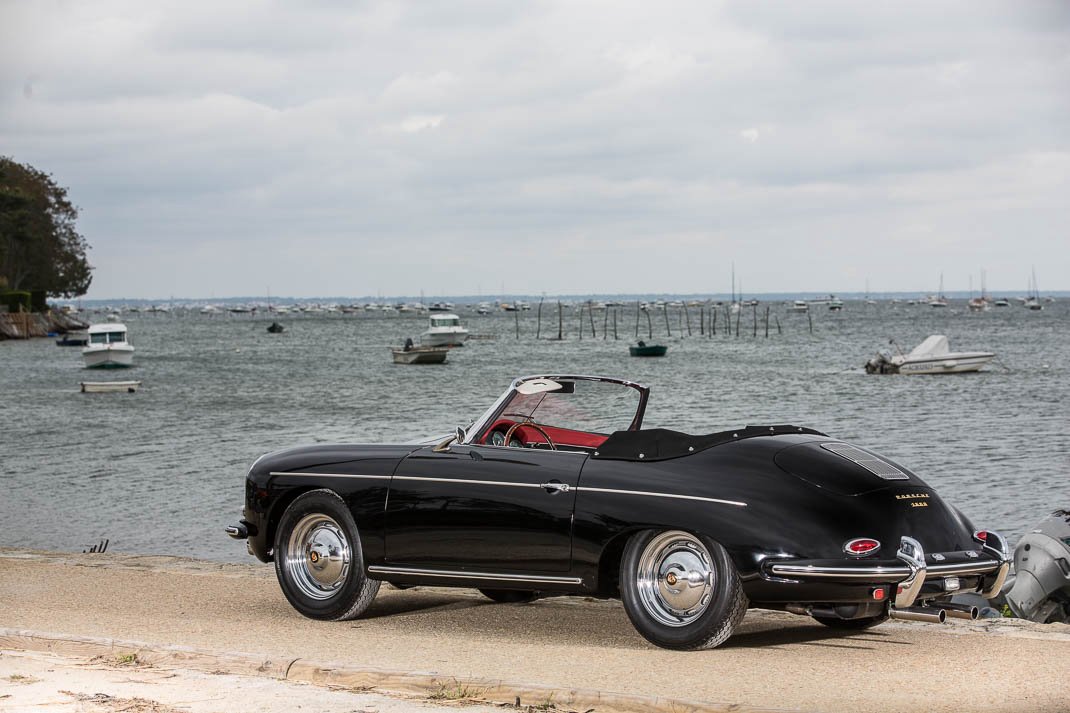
(775, 660)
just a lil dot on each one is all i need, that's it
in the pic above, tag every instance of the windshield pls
(591, 406)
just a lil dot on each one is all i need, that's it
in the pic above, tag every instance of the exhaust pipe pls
(957, 611)
(932, 615)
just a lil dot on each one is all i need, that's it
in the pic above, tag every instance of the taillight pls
(981, 536)
(861, 546)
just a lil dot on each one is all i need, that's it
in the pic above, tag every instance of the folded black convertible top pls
(662, 444)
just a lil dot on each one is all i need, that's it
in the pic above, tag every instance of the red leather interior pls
(560, 436)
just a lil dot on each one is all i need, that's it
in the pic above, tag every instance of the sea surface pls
(161, 471)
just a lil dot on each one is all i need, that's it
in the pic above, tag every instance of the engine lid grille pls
(879, 467)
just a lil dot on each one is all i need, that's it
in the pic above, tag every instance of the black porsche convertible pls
(557, 489)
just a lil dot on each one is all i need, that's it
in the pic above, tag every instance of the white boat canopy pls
(933, 346)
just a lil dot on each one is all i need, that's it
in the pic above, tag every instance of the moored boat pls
(73, 339)
(413, 354)
(104, 387)
(642, 349)
(445, 331)
(108, 347)
(932, 356)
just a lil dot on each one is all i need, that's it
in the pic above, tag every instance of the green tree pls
(40, 249)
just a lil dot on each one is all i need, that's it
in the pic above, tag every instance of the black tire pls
(674, 615)
(318, 559)
(865, 622)
(509, 596)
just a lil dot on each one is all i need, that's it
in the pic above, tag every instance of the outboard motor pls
(1041, 590)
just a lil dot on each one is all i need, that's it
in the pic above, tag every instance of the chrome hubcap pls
(318, 556)
(675, 578)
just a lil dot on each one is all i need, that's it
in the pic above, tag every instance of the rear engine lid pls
(843, 468)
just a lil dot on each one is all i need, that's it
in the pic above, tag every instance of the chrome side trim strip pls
(466, 481)
(661, 495)
(333, 475)
(490, 576)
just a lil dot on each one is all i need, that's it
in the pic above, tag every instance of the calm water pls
(161, 471)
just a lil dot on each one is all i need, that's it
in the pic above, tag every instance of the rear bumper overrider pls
(910, 569)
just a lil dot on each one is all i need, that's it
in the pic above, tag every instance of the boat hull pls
(108, 357)
(420, 356)
(444, 339)
(947, 363)
(103, 387)
(657, 350)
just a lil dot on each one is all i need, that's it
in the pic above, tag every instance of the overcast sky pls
(325, 148)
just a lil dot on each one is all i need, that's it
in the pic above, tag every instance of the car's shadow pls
(586, 622)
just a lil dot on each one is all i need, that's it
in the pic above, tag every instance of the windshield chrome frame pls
(491, 415)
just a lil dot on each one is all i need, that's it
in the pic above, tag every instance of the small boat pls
(799, 306)
(412, 354)
(104, 387)
(445, 331)
(642, 349)
(275, 328)
(108, 347)
(835, 303)
(933, 356)
(1033, 300)
(1001, 302)
(73, 339)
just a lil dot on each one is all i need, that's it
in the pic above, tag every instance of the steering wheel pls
(537, 427)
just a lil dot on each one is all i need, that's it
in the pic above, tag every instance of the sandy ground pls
(775, 661)
(44, 683)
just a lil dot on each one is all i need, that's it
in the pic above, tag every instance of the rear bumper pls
(910, 570)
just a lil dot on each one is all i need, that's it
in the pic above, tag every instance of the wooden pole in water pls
(614, 324)
(777, 324)
(754, 311)
(713, 321)
(649, 324)
(581, 320)
(739, 315)
(767, 321)
(637, 311)
(560, 322)
(516, 316)
(702, 321)
(605, 323)
(687, 318)
(665, 309)
(810, 320)
(590, 315)
(538, 323)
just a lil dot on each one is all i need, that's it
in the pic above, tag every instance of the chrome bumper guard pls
(910, 574)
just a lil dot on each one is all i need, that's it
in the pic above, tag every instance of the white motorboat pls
(108, 347)
(933, 356)
(799, 306)
(835, 303)
(445, 331)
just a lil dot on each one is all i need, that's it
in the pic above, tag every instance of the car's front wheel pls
(318, 559)
(680, 590)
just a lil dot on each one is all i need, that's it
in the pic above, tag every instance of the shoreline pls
(199, 615)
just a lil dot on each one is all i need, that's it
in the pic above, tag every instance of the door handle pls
(554, 487)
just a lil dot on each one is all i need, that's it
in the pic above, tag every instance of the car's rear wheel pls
(509, 596)
(852, 624)
(318, 559)
(680, 590)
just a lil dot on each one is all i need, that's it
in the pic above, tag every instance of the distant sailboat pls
(939, 300)
(1032, 301)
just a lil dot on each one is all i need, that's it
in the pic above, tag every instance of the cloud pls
(595, 133)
